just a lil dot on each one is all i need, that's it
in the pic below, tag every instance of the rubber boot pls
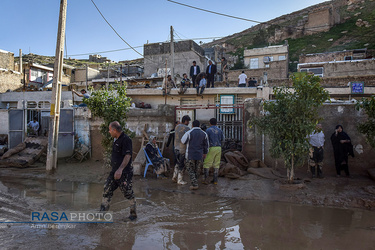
(206, 174)
(180, 181)
(320, 172)
(104, 206)
(312, 171)
(216, 174)
(175, 173)
(133, 213)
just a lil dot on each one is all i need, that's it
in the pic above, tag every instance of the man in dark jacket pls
(196, 150)
(194, 71)
(210, 73)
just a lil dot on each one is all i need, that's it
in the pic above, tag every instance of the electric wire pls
(115, 30)
(213, 12)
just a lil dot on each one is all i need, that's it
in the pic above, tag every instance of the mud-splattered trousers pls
(194, 168)
(125, 183)
(316, 159)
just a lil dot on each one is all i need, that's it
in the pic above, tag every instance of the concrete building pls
(99, 59)
(264, 63)
(157, 58)
(81, 74)
(339, 64)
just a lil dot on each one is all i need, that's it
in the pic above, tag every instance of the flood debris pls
(25, 153)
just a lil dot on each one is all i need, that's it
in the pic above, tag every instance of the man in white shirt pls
(242, 80)
(34, 126)
(316, 140)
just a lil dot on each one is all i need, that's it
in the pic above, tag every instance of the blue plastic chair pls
(148, 162)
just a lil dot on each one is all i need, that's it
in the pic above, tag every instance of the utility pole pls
(121, 74)
(21, 70)
(53, 133)
(107, 83)
(172, 54)
(87, 76)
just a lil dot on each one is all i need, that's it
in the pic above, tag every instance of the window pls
(282, 58)
(348, 58)
(254, 63)
(315, 71)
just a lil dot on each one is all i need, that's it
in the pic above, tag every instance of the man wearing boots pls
(316, 140)
(180, 150)
(215, 137)
(196, 150)
(122, 170)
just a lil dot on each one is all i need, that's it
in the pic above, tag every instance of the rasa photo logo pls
(71, 217)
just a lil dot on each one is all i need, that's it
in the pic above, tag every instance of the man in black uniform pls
(122, 170)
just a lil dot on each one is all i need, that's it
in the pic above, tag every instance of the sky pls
(32, 25)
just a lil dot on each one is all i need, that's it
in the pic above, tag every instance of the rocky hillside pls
(352, 28)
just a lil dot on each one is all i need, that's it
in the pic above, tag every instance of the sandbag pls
(14, 150)
(237, 158)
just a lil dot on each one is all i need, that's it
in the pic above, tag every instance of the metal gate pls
(230, 118)
(16, 127)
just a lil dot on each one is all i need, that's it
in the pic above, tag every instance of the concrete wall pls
(6, 60)
(80, 74)
(4, 121)
(332, 114)
(9, 80)
(156, 54)
(159, 122)
(358, 68)
(325, 57)
(277, 70)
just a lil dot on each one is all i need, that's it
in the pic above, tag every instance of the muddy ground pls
(246, 213)
(356, 192)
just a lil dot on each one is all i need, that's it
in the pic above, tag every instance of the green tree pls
(291, 117)
(368, 127)
(110, 105)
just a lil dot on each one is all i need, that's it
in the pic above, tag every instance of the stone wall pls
(6, 60)
(9, 80)
(332, 114)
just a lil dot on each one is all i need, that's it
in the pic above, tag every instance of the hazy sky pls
(32, 25)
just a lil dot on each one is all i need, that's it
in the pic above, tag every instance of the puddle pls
(178, 220)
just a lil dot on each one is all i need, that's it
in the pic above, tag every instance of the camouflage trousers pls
(125, 184)
(194, 169)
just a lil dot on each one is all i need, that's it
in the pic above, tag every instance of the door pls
(66, 133)
(16, 127)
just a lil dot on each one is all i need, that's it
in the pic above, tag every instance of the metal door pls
(65, 145)
(16, 127)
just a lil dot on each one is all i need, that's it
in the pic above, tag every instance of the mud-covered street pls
(246, 213)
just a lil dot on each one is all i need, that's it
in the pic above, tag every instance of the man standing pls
(210, 73)
(196, 150)
(194, 71)
(242, 80)
(316, 140)
(33, 126)
(180, 150)
(122, 170)
(215, 137)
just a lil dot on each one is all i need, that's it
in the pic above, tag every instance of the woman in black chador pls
(342, 147)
